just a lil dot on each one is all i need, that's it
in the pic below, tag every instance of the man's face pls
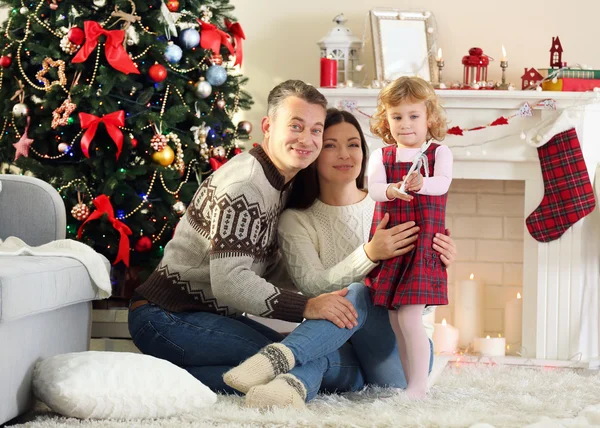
(294, 135)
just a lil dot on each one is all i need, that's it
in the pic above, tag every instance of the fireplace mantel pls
(560, 278)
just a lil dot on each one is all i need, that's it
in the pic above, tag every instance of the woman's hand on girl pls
(392, 242)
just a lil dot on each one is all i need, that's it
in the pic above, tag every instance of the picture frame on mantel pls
(403, 43)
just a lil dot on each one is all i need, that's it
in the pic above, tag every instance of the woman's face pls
(341, 158)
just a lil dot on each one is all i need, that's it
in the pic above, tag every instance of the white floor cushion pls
(117, 385)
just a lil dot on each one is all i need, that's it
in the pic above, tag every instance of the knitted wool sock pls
(272, 360)
(283, 391)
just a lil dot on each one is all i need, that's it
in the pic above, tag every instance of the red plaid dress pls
(418, 277)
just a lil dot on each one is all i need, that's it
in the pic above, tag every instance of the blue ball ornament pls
(189, 38)
(173, 53)
(211, 137)
(216, 75)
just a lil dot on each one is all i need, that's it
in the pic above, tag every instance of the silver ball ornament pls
(216, 75)
(190, 38)
(20, 110)
(63, 147)
(24, 11)
(220, 104)
(244, 127)
(203, 89)
(99, 3)
(173, 53)
(179, 208)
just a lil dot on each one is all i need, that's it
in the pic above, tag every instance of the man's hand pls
(333, 307)
(446, 246)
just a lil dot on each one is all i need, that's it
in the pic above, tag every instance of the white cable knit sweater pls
(322, 246)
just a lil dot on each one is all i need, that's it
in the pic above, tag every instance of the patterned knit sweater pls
(224, 257)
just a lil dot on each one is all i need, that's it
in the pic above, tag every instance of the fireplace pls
(559, 280)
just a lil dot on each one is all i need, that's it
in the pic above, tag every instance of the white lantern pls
(340, 44)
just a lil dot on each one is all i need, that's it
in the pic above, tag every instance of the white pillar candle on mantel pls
(513, 322)
(468, 310)
(445, 338)
(491, 346)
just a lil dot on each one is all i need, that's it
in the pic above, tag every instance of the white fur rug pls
(475, 396)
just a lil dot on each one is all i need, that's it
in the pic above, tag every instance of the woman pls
(321, 237)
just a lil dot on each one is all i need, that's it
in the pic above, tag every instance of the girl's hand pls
(414, 182)
(393, 192)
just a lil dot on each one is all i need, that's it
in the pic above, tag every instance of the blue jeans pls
(328, 358)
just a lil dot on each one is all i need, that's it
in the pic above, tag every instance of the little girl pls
(408, 118)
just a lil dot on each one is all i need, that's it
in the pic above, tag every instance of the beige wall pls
(282, 36)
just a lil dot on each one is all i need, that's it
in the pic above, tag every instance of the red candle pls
(328, 73)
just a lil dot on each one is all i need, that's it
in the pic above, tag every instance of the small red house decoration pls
(475, 66)
(531, 77)
(556, 51)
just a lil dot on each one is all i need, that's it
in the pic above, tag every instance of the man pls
(223, 259)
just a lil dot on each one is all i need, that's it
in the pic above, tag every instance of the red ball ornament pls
(173, 5)
(157, 72)
(134, 143)
(5, 61)
(143, 244)
(237, 151)
(76, 36)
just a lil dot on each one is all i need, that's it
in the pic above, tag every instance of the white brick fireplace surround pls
(560, 279)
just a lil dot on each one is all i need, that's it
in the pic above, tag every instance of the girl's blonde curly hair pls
(412, 90)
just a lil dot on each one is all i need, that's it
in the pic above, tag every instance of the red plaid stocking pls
(568, 194)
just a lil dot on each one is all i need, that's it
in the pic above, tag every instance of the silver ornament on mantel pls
(20, 110)
(203, 88)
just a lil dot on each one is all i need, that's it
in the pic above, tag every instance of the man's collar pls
(271, 172)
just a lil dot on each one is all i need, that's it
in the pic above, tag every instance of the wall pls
(281, 36)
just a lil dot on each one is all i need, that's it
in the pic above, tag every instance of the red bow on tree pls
(103, 206)
(212, 38)
(111, 121)
(114, 51)
(238, 35)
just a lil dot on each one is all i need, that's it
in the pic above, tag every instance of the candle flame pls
(507, 346)
(471, 276)
(444, 321)
(503, 53)
(499, 335)
(488, 336)
(518, 295)
(439, 56)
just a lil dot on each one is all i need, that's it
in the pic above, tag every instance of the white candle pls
(513, 321)
(468, 310)
(439, 55)
(503, 54)
(491, 347)
(445, 338)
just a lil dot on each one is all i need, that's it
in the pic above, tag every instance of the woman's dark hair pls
(305, 187)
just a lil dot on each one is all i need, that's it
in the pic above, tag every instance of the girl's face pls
(341, 158)
(408, 123)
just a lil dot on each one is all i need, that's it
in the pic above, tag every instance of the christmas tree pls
(124, 106)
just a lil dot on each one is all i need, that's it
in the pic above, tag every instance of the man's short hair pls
(293, 88)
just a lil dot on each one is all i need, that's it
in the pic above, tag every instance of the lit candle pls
(503, 54)
(445, 338)
(328, 73)
(439, 55)
(491, 347)
(513, 321)
(468, 310)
